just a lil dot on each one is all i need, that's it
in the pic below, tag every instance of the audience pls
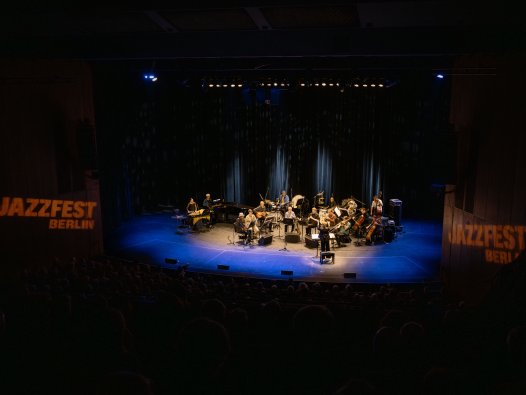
(89, 326)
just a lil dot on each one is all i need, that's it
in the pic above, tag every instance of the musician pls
(251, 221)
(376, 207)
(283, 199)
(240, 227)
(351, 206)
(207, 203)
(332, 217)
(314, 220)
(289, 218)
(343, 232)
(332, 202)
(261, 215)
(325, 244)
(191, 207)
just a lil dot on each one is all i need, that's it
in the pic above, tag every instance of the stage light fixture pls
(302, 84)
(373, 85)
(232, 85)
(323, 84)
(210, 85)
(356, 85)
(380, 85)
(440, 76)
(150, 77)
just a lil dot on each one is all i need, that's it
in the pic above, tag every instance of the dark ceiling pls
(269, 36)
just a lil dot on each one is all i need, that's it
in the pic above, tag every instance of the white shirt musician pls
(376, 206)
(289, 218)
(251, 222)
(314, 220)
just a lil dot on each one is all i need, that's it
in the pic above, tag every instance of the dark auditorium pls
(253, 198)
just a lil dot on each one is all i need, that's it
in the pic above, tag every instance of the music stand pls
(284, 248)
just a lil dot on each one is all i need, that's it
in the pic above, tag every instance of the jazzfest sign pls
(501, 243)
(62, 214)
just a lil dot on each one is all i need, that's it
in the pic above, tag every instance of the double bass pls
(359, 222)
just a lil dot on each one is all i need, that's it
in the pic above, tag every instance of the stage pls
(413, 256)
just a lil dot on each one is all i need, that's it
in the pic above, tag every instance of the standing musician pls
(251, 222)
(289, 218)
(207, 203)
(191, 207)
(325, 244)
(314, 220)
(376, 207)
(283, 200)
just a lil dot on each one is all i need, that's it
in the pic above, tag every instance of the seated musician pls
(332, 217)
(261, 213)
(343, 232)
(240, 227)
(351, 206)
(251, 223)
(289, 218)
(332, 202)
(314, 220)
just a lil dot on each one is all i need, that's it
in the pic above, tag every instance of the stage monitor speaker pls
(309, 242)
(395, 211)
(349, 275)
(171, 261)
(223, 267)
(292, 237)
(389, 233)
(265, 240)
(287, 272)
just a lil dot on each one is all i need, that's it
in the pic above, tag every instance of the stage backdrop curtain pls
(165, 143)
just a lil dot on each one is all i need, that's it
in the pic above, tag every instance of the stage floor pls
(412, 257)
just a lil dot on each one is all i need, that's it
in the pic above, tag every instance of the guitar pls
(261, 214)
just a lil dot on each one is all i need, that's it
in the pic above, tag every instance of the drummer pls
(283, 200)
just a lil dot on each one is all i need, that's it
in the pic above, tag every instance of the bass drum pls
(297, 201)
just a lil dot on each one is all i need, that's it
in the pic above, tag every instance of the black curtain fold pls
(238, 144)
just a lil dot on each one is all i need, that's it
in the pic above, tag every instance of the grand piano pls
(229, 211)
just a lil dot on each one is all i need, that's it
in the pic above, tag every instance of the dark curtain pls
(164, 143)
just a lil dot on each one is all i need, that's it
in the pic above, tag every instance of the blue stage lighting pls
(440, 76)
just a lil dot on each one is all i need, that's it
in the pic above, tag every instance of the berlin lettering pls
(502, 243)
(63, 214)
